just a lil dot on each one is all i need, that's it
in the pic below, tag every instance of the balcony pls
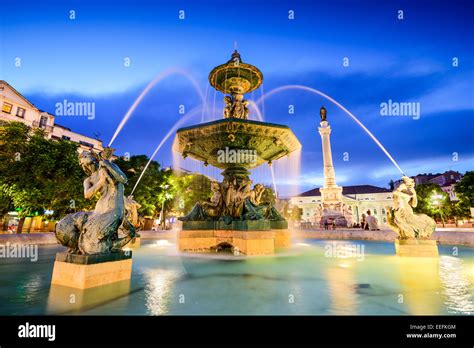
(43, 126)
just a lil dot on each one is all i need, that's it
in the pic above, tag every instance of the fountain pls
(95, 239)
(413, 229)
(235, 215)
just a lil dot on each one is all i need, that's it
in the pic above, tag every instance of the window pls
(20, 112)
(383, 211)
(66, 137)
(375, 211)
(85, 143)
(7, 108)
(43, 121)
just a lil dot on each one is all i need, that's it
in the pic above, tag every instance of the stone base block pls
(282, 239)
(133, 244)
(66, 300)
(253, 242)
(416, 248)
(245, 225)
(242, 242)
(279, 225)
(88, 271)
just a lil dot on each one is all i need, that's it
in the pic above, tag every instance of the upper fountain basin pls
(236, 142)
(235, 77)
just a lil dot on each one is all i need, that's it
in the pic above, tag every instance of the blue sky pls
(407, 60)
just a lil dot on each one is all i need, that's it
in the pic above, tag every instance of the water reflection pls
(66, 300)
(342, 292)
(456, 286)
(32, 288)
(158, 290)
(420, 285)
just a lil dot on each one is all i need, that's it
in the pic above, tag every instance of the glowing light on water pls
(343, 298)
(159, 285)
(162, 243)
(312, 90)
(173, 129)
(457, 287)
(147, 89)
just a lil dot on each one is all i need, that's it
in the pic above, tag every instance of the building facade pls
(15, 107)
(358, 199)
(446, 181)
(447, 178)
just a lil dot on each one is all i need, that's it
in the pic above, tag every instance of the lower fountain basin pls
(166, 282)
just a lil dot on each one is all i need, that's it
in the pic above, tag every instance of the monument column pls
(329, 175)
(331, 194)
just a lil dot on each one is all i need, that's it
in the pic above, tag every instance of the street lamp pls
(162, 213)
(437, 202)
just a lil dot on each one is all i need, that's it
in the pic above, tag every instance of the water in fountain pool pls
(302, 280)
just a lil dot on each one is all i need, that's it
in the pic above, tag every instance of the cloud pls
(453, 95)
(438, 164)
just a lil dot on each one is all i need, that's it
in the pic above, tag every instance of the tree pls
(6, 203)
(464, 190)
(150, 187)
(189, 189)
(427, 204)
(39, 174)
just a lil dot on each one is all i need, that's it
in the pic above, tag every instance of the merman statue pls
(401, 217)
(97, 231)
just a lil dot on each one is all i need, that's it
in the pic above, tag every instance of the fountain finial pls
(235, 57)
(323, 112)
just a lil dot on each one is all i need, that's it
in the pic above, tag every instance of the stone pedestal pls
(253, 242)
(246, 242)
(282, 239)
(63, 300)
(88, 271)
(416, 248)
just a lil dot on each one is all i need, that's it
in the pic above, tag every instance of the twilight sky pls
(408, 60)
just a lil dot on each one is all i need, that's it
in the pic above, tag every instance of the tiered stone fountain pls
(235, 216)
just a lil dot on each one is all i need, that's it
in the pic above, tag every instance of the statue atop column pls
(323, 113)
